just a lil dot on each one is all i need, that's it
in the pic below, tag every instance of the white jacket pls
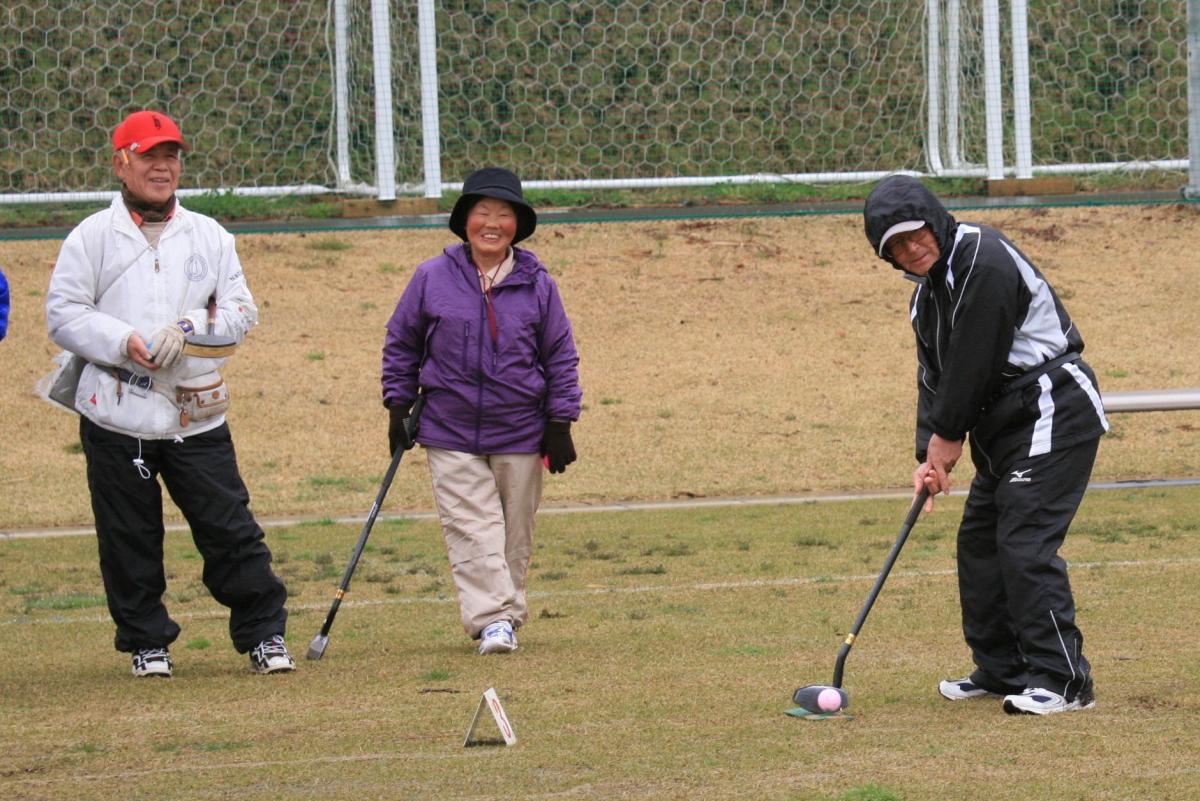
(147, 289)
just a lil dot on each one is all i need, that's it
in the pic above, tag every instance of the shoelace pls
(497, 630)
(153, 654)
(272, 647)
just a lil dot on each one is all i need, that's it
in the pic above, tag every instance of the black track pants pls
(1017, 609)
(201, 475)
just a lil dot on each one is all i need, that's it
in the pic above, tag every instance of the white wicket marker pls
(491, 701)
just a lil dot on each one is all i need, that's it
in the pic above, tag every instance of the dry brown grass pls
(731, 357)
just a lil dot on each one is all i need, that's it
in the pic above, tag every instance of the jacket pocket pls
(519, 336)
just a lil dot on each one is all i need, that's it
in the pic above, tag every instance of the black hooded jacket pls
(984, 316)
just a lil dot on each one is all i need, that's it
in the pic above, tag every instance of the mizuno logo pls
(1020, 476)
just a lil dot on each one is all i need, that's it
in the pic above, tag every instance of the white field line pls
(706, 586)
(632, 506)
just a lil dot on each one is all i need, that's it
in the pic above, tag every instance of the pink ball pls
(830, 700)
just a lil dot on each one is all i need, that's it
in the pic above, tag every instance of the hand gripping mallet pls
(810, 698)
(316, 649)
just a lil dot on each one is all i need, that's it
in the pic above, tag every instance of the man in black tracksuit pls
(998, 359)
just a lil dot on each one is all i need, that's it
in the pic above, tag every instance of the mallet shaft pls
(322, 637)
(909, 521)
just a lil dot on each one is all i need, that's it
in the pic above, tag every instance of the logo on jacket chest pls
(195, 268)
(1021, 476)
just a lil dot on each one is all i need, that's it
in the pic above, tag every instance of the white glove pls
(166, 348)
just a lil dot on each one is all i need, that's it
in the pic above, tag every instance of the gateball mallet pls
(316, 649)
(824, 699)
(209, 345)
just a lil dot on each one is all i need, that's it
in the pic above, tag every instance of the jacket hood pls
(902, 198)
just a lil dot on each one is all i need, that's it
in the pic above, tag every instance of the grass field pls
(730, 357)
(661, 653)
(749, 357)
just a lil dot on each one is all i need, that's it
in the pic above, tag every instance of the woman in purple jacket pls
(481, 330)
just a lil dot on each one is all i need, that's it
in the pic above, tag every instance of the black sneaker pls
(271, 656)
(152, 662)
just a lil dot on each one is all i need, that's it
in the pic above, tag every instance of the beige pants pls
(486, 505)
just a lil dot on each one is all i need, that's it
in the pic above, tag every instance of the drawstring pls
(491, 314)
(140, 464)
(486, 281)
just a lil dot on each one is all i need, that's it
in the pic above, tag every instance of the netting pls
(1111, 82)
(1107, 82)
(639, 88)
(249, 83)
(577, 90)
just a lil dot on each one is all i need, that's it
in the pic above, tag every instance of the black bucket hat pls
(499, 183)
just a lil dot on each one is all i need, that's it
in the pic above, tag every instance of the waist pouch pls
(60, 384)
(202, 397)
(199, 398)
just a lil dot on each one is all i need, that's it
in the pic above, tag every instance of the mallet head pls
(821, 699)
(316, 649)
(209, 346)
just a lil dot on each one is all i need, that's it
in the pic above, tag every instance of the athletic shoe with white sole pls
(271, 656)
(497, 638)
(963, 689)
(1037, 701)
(152, 662)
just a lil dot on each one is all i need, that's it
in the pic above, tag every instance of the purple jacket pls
(482, 396)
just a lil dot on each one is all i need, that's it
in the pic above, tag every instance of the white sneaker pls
(152, 662)
(497, 638)
(1036, 701)
(271, 656)
(963, 689)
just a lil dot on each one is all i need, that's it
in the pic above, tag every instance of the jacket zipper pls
(156, 404)
(466, 357)
(937, 332)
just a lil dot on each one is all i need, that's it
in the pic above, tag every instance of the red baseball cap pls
(142, 130)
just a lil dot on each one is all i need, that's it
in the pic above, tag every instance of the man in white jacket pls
(132, 282)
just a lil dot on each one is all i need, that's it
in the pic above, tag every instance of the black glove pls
(557, 445)
(397, 433)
